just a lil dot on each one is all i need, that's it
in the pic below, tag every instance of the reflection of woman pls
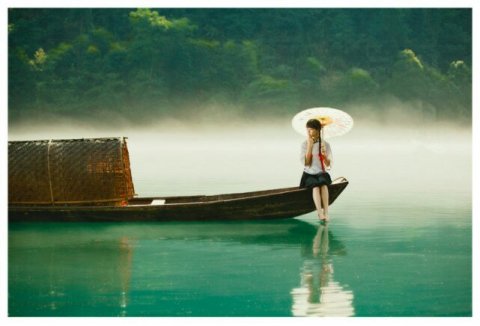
(319, 294)
(320, 242)
(319, 249)
(316, 155)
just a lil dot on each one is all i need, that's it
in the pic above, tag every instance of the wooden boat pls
(267, 204)
(90, 180)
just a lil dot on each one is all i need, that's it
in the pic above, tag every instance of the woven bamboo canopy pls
(69, 171)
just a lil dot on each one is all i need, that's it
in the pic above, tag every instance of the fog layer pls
(380, 161)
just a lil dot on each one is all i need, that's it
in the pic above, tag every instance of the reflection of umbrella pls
(335, 122)
(333, 299)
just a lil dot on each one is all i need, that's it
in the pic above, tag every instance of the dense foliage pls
(139, 63)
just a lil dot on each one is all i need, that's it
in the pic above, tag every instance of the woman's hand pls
(324, 149)
(308, 154)
(323, 152)
(309, 142)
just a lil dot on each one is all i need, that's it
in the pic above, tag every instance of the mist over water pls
(401, 164)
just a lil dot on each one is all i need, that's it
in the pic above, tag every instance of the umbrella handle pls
(321, 140)
(320, 155)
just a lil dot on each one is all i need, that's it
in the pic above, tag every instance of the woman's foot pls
(322, 217)
(326, 216)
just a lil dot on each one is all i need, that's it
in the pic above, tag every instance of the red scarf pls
(321, 161)
(320, 156)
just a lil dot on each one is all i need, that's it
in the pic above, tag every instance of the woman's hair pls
(315, 124)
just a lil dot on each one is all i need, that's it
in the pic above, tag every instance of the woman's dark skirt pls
(315, 180)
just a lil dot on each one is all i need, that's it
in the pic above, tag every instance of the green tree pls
(146, 62)
(408, 80)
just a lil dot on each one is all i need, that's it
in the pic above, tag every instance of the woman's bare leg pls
(318, 202)
(324, 197)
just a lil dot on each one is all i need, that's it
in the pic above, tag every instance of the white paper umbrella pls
(335, 122)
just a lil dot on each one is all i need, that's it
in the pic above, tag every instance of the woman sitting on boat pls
(316, 155)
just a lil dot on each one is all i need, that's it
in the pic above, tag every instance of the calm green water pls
(399, 244)
(280, 268)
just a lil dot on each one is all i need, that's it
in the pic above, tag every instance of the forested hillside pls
(139, 63)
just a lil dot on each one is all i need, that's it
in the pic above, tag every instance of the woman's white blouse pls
(316, 166)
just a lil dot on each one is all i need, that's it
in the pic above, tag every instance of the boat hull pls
(269, 204)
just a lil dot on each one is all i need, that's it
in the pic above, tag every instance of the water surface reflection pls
(169, 269)
(319, 294)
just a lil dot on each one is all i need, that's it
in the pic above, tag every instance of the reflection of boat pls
(47, 278)
(90, 180)
(263, 232)
(137, 269)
